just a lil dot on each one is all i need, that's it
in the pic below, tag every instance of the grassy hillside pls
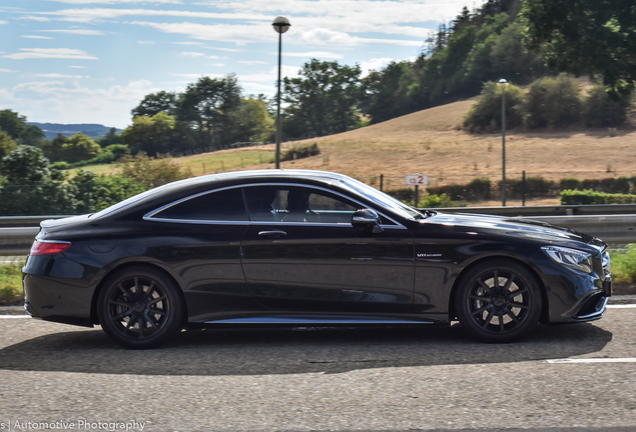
(429, 142)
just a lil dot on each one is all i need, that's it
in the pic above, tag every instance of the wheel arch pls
(503, 258)
(134, 264)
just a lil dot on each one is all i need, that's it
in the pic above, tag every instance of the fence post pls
(89, 190)
(523, 189)
(381, 181)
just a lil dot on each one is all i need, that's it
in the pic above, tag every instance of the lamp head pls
(502, 83)
(281, 24)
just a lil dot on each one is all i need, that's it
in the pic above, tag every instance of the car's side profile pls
(280, 247)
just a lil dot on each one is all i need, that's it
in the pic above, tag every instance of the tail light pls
(48, 247)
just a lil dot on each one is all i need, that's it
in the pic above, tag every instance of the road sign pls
(416, 180)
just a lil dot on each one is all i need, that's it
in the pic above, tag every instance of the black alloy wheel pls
(498, 302)
(140, 308)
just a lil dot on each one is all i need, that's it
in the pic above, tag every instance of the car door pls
(301, 252)
(200, 238)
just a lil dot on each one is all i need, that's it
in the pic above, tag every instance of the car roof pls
(198, 184)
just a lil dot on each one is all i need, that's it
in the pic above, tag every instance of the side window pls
(297, 204)
(225, 205)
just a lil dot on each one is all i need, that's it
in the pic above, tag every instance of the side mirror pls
(367, 218)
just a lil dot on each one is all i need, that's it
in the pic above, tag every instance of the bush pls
(570, 183)
(552, 102)
(436, 201)
(478, 189)
(300, 152)
(485, 115)
(403, 194)
(600, 110)
(151, 172)
(575, 197)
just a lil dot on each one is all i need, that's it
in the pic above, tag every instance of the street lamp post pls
(281, 25)
(502, 84)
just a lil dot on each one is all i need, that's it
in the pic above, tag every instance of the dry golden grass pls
(430, 142)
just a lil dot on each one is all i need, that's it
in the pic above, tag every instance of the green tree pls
(15, 125)
(153, 135)
(7, 145)
(79, 147)
(588, 37)
(253, 120)
(485, 115)
(386, 92)
(92, 192)
(111, 138)
(553, 102)
(154, 103)
(208, 104)
(322, 100)
(52, 149)
(30, 187)
(600, 110)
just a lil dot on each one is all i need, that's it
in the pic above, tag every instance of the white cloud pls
(78, 67)
(146, 42)
(84, 32)
(87, 15)
(192, 54)
(34, 18)
(70, 102)
(3, 22)
(7, 71)
(118, 1)
(58, 53)
(374, 64)
(251, 62)
(58, 76)
(36, 37)
(313, 54)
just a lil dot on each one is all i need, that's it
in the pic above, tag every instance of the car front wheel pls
(140, 308)
(498, 302)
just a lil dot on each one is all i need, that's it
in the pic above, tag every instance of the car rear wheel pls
(498, 302)
(140, 308)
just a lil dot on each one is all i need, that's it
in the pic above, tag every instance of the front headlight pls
(572, 258)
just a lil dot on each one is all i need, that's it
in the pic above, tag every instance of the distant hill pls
(92, 130)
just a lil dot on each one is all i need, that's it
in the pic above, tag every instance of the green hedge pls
(575, 197)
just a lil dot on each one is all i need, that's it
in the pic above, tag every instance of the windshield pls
(382, 199)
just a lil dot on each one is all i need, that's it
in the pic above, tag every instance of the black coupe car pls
(306, 248)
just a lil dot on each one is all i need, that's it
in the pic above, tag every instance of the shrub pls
(552, 102)
(570, 183)
(478, 189)
(151, 172)
(436, 201)
(403, 194)
(600, 110)
(575, 197)
(300, 152)
(485, 115)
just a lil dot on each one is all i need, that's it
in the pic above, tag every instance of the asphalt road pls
(575, 378)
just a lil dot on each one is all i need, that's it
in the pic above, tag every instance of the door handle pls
(275, 233)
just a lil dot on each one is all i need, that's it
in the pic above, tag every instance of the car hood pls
(517, 227)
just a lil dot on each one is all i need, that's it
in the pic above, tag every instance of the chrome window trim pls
(149, 216)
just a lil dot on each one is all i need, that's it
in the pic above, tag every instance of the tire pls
(140, 308)
(498, 301)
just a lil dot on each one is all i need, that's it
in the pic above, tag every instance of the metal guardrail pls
(17, 233)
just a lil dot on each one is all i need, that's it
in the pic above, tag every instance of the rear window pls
(224, 205)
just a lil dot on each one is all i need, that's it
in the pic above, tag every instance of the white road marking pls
(621, 306)
(596, 360)
(14, 316)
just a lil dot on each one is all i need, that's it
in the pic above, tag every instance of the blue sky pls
(92, 61)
